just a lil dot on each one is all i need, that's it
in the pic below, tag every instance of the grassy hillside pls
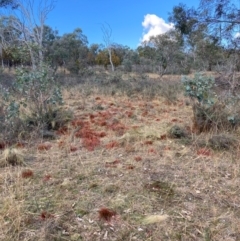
(117, 171)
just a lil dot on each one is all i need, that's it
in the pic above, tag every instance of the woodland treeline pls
(204, 39)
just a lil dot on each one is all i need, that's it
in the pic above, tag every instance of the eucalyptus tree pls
(29, 18)
(131, 59)
(147, 54)
(102, 58)
(168, 51)
(93, 51)
(70, 50)
(8, 3)
(107, 38)
(201, 41)
(48, 40)
(221, 16)
(9, 44)
(213, 33)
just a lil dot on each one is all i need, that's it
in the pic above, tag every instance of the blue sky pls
(126, 18)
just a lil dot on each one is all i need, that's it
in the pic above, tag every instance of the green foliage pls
(69, 50)
(183, 18)
(200, 88)
(35, 95)
(177, 132)
(222, 142)
(102, 58)
(8, 3)
(209, 113)
(127, 65)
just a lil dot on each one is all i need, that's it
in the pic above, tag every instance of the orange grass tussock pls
(91, 143)
(112, 144)
(113, 164)
(63, 130)
(152, 150)
(3, 145)
(27, 173)
(138, 158)
(47, 177)
(44, 146)
(203, 152)
(73, 148)
(46, 215)
(106, 214)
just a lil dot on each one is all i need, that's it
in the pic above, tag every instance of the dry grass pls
(114, 174)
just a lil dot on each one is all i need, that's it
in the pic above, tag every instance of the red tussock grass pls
(47, 177)
(102, 134)
(152, 150)
(27, 173)
(105, 114)
(148, 142)
(163, 137)
(129, 148)
(91, 116)
(20, 145)
(85, 132)
(45, 215)
(112, 144)
(91, 143)
(204, 152)
(3, 145)
(165, 111)
(145, 113)
(138, 158)
(102, 123)
(135, 127)
(118, 128)
(73, 148)
(113, 164)
(63, 130)
(180, 103)
(61, 144)
(93, 121)
(117, 161)
(129, 114)
(129, 167)
(76, 123)
(106, 214)
(90, 139)
(44, 146)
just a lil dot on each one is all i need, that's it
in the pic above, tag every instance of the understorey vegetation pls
(109, 143)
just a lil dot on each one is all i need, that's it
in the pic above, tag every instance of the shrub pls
(115, 78)
(170, 90)
(177, 132)
(34, 99)
(209, 113)
(222, 142)
(127, 65)
(200, 88)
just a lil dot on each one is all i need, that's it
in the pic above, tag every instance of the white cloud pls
(237, 35)
(153, 26)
